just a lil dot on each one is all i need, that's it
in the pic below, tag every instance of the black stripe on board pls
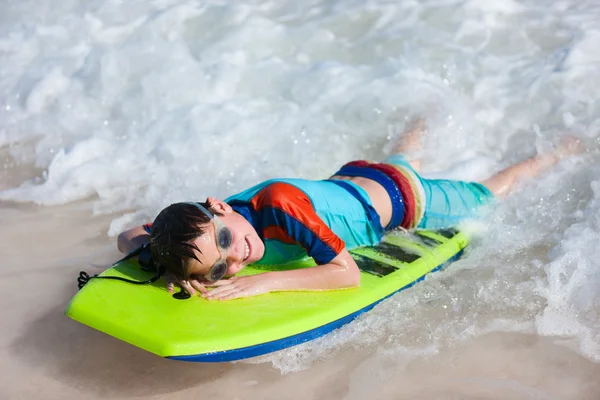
(373, 267)
(448, 233)
(427, 241)
(395, 252)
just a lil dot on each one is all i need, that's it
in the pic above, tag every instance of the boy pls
(282, 220)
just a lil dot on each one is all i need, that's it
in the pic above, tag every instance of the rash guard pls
(296, 218)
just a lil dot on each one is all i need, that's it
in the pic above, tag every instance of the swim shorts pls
(447, 202)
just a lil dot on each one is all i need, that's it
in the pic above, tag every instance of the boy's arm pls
(342, 272)
(133, 238)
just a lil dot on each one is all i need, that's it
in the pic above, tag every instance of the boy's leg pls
(503, 182)
(449, 202)
(409, 143)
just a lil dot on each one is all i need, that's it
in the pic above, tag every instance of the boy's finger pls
(198, 286)
(222, 282)
(222, 291)
(234, 295)
(186, 285)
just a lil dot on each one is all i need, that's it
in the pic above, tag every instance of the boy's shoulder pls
(279, 193)
(270, 190)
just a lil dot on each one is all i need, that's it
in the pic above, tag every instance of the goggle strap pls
(201, 208)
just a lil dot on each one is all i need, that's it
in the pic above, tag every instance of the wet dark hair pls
(172, 234)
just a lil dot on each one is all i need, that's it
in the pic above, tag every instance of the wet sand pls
(47, 355)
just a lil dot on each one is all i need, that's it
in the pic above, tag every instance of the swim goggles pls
(224, 238)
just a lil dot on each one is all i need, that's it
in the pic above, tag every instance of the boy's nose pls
(236, 253)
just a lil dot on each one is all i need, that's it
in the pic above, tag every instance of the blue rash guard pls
(296, 218)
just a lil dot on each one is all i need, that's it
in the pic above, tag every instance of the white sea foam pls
(132, 105)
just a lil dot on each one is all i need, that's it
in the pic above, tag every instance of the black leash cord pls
(84, 277)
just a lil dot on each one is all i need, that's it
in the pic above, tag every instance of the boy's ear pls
(219, 206)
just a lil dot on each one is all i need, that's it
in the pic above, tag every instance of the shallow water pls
(110, 110)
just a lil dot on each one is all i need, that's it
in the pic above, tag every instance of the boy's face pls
(246, 246)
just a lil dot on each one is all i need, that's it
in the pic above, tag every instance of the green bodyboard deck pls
(195, 329)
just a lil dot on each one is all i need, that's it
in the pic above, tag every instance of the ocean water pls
(127, 106)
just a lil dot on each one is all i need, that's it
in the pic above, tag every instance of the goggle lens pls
(217, 272)
(225, 237)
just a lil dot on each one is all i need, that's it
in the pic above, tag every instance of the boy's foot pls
(409, 142)
(568, 146)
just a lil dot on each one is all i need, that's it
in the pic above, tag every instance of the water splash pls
(135, 105)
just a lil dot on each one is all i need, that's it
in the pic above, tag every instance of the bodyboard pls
(195, 329)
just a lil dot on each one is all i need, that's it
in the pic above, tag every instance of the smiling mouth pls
(247, 249)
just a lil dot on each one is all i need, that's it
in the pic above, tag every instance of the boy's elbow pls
(354, 277)
(126, 241)
(350, 277)
(122, 242)
(347, 272)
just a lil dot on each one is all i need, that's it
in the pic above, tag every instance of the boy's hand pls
(198, 283)
(237, 287)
